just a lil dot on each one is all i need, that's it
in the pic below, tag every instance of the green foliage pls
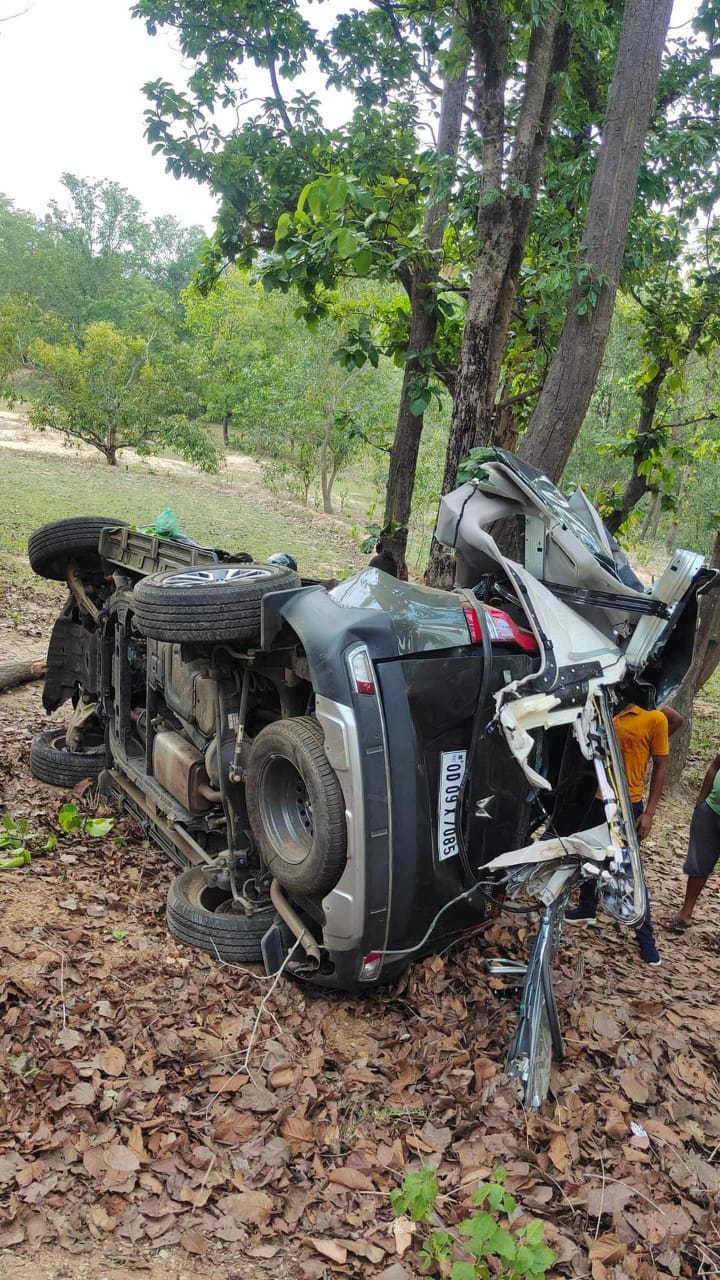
(487, 1244)
(96, 257)
(288, 394)
(113, 392)
(71, 820)
(376, 532)
(473, 466)
(417, 1196)
(18, 841)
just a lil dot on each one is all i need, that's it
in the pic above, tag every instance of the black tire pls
(54, 547)
(208, 604)
(51, 762)
(193, 917)
(296, 806)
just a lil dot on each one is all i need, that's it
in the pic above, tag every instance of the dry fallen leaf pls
(111, 1060)
(296, 1129)
(248, 1206)
(635, 1089)
(99, 1217)
(403, 1230)
(352, 1179)
(194, 1242)
(120, 1158)
(329, 1249)
(611, 1198)
(559, 1152)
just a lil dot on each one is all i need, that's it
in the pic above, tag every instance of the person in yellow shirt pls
(643, 736)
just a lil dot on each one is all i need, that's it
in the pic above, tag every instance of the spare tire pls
(54, 547)
(208, 604)
(296, 807)
(200, 916)
(51, 762)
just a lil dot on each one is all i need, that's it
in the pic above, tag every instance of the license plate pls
(452, 769)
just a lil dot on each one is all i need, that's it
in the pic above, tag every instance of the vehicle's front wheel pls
(296, 806)
(208, 604)
(201, 915)
(51, 762)
(54, 547)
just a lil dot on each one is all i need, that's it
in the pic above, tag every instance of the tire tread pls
(227, 937)
(52, 545)
(205, 615)
(60, 768)
(330, 848)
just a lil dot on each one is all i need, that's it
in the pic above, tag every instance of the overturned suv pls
(353, 775)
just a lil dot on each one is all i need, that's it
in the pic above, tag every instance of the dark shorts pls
(704, 844)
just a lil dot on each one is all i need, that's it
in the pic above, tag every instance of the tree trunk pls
(406, 444)
(225, 429)
(409, 426)
(565, 397)
(637, 485)
(501, 233)
(706, 655)
(110, 448)
(673, 530)
(325, 483)
(21, 672)
(650, 527)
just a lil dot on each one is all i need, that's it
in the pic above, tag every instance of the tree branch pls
(422, 75)
(276, 87)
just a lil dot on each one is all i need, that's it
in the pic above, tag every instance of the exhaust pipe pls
(293, 922)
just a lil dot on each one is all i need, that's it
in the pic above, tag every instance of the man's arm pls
(657, 782)
(674, 719)
(706, 785)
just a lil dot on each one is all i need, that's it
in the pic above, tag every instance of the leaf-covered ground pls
(165, 1113)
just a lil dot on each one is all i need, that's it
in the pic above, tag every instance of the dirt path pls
(17, 433)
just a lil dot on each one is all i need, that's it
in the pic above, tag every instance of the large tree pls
(116, 391)
(472, 131)
(566, 392)
(430, 182)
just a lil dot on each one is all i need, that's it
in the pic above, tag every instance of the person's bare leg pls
(695, 886)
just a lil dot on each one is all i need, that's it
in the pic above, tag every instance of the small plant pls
(473, 467)
(16, 837)
(376, 532)
(481, 1246)
(71, 819)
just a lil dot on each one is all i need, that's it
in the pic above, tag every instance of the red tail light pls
(502, 628)
(473, 624)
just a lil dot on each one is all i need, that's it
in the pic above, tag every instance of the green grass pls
(231, 512)
(705, 730)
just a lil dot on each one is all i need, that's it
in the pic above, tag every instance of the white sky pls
(71, 100)
(71, 73)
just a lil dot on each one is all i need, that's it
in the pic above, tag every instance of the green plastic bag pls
(167, 524)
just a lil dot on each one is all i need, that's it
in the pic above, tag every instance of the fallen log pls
(21, 672)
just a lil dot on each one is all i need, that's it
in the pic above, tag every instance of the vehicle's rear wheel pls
(201, 916)
(54, 547)
(296, 806)
(209, 604)
(51, 762)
